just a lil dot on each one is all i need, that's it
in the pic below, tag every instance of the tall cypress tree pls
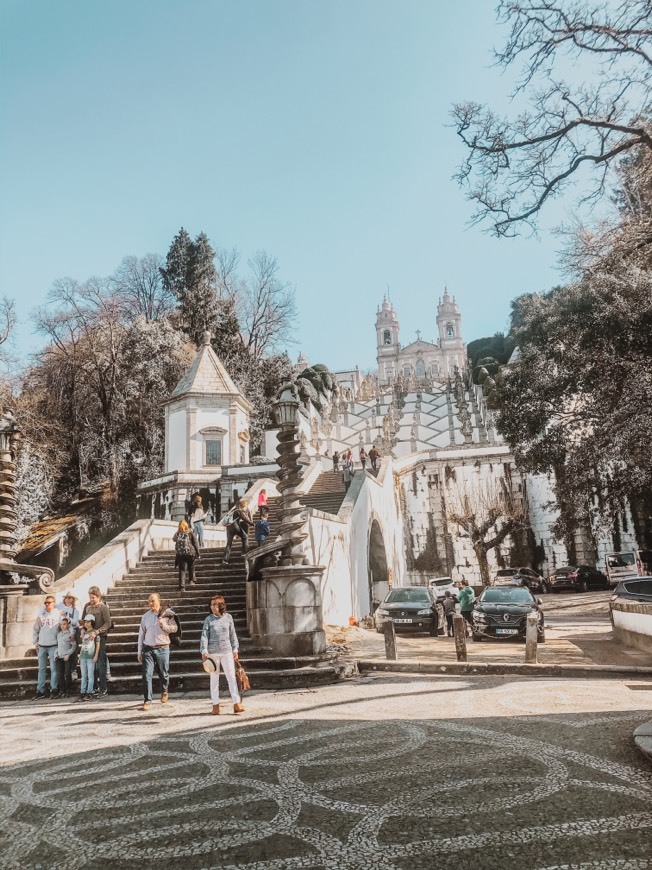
(177, 265)
(190, 275)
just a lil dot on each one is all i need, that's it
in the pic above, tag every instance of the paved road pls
(383, 772)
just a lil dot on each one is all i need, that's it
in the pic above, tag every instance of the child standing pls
(449, 611)
(88, 656)
(262, 527)
(66, 656)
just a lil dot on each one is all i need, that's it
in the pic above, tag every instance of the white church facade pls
(421, 360)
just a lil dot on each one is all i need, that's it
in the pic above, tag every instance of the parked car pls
(629, 565)
(634, 589)
(581, 578)
(439, 586)
(502, 611)
(527, 576)
(409, 607)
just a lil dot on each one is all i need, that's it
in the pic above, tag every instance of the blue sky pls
(314, 129)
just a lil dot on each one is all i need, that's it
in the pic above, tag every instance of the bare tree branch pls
(515, 165)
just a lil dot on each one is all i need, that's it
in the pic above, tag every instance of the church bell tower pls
(387, 343)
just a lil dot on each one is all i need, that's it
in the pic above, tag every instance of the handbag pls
(242, 679)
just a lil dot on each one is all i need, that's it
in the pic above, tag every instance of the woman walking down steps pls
(219, 643)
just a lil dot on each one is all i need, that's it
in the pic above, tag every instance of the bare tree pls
(515, 165)
(87, 332)
(229, 284)
(267, 307)
(490, 510)
(7, 318)
(139, 283)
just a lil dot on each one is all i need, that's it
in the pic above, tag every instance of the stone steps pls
(197, 680)
(128, 601)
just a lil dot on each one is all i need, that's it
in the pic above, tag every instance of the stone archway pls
(377, 566)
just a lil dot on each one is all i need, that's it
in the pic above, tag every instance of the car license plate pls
(402, 620)
(507, 631)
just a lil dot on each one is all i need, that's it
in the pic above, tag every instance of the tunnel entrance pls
(378, 570)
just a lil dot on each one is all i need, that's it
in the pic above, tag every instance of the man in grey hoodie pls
(45, 631)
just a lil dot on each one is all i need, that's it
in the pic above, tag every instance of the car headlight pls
(426, 612)
(382, 612)
(479, 617)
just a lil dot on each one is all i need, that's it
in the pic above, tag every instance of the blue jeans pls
(198, 529)
(155, 657)
(45, 654)
(88, 676)
(102, 665)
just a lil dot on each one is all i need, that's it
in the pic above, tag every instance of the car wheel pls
(476, 637)
(542, 637)
(584, 586)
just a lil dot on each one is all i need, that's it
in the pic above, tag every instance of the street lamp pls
(286, 406)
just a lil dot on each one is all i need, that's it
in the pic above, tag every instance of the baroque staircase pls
(156, 573)
(327, 493)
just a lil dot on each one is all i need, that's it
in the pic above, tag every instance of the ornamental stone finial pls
(206, 338)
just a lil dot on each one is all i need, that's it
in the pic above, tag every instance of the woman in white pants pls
(218, 638)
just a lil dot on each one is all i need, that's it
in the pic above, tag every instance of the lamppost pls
(292, 521)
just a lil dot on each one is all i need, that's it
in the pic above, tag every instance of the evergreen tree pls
(200, 308)
(190, 275)
(177, 266)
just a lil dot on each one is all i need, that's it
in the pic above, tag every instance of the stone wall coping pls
(471, 451)
(625, 605)
(199, 476)
(249, 470)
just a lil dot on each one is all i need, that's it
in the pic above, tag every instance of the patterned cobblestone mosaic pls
(385, 773)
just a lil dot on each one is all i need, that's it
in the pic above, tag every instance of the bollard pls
(459, 633)
(390, 640)
(531, 637)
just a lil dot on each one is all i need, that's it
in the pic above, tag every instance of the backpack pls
(175, 637)
(183, 545)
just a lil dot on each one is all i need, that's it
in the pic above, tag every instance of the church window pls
(407, 371)
(421, 368)
(434, 370)
(213, 452)
(450, 331)
(387, 337)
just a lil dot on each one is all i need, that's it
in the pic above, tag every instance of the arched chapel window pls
(421, 368)
(387, 337)
(407, 371)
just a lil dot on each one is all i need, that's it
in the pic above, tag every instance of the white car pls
(439, 585)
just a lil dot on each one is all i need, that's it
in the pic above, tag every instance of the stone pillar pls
(18, 612)
(234, 459)
(284, 610)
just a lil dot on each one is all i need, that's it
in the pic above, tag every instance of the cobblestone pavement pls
(382, 772)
